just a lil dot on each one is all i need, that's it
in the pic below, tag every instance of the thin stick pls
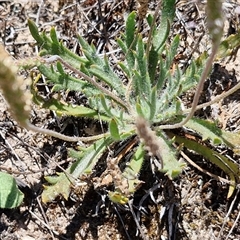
(203, 170)
(217, 98)
(63, 137)
(227, 216)
(144, 236)
(237, 219)
(121, 220)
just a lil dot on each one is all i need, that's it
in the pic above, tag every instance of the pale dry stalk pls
(148, 136)
(14, 89)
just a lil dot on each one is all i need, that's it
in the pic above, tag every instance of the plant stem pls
(63, 137)
(216, 99)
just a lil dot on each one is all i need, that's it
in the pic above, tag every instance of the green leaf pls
(109, 77)
(139, 109)
(132, 170)
(65, 81)
(153, 103)
(130, 29)
(60, 185)
(77, 111)
(142, 81)
(163, 74)
(167, 16)
(232, 140)
(160, 35)
(228, 166)
(52, 46)
(54, 37)
(207, 129)
(125, 69)
(191, 76)
(10, 195)
(171, 166)
(228, 45)
(60, 69)
(122, 45)
(35, 33)
(106, 107)
(113, 128)
(100, 68)
(174, 47)
(130, 39)
(90, 53)
(86, 160)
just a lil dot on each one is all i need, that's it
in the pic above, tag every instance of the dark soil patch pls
(194, 206)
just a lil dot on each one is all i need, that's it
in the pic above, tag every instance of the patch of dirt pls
(195, 206)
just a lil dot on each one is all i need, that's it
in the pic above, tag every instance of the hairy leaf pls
(86, 160)
(160, 35)
(207, 129)
(52, 46)
(132, 170)
(88, 157)
(171, 166)
(114, 131)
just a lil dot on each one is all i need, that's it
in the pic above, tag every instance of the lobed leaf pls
(109, 77)
(132, 170)
(64, 81)
(60, 185)
(171, 166)
(142, 84)
(207, 129)
(86, 160)
(65, 109)
(52, 46)
(88, 157)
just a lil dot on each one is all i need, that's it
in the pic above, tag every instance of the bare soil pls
(194, 206)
